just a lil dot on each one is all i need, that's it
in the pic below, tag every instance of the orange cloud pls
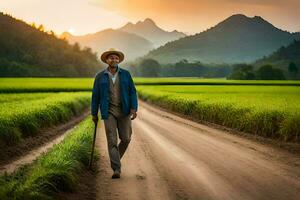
(197, 15)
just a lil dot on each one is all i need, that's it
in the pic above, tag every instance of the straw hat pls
(110, 51)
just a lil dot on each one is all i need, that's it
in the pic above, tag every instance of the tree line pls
(152, 68)
(27, 50)
(265, 72)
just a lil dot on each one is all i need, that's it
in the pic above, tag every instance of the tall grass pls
(19, 119)
(210, 81)
(269, 111)
(55, 171)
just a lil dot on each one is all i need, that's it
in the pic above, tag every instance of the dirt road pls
(173, 158)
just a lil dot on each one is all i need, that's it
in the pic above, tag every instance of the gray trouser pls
(121, 123)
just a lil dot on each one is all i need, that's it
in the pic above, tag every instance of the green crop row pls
(21, 118)
(211, 81)
(269, 111)
(55, 171)
(14, 97)
(19, 85)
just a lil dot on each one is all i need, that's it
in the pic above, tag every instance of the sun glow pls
(71, 30)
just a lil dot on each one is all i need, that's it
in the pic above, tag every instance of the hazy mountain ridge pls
(149, 30)
(236, 39)
(132, 45)
(134, 39)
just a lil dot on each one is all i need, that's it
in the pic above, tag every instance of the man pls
(115, 93)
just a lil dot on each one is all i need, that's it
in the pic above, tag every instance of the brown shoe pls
(117, 174)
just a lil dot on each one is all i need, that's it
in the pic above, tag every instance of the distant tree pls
(33, 25)
(87, 50)
(149, 68)
(242, 72)
(41, 28)
(183, 61)
(52, 33)
(293, 68)
(184, 68)
(267, 72)
(76, 47)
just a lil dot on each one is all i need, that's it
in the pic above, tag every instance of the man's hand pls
(133, 114)
(95, 119)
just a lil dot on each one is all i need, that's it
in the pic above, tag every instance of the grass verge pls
(20, 119)
(260, 111)
(55, 171)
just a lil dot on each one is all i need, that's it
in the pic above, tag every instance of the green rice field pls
(266, 108)
(21, 85)
(23, 114)
(24, 111)
(54, 171)
(270, 111)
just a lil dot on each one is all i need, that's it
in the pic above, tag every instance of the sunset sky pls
(189, 16)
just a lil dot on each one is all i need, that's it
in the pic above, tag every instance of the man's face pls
(113, 60)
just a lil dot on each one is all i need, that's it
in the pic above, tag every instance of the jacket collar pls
(118, 70)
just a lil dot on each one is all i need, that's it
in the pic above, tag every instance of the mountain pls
(149, 30)
(236, 39)
(283, 57)
(131, 44)
(29, 51)
(134, 40)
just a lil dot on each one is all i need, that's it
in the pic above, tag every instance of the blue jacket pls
(100, 94)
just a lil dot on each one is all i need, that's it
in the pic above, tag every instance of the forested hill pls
(29, 51)
(283, 57)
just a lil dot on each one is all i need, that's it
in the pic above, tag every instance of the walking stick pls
(92, 153)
